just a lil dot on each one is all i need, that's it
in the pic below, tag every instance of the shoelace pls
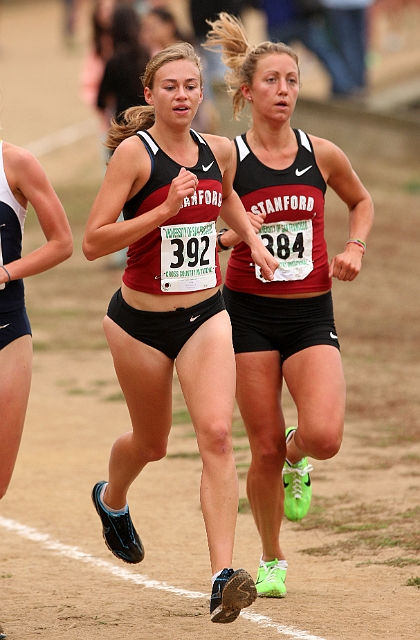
(271, 575)
(298, 473)
(124, 525)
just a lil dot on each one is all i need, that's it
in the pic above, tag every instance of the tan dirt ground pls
(350, 559)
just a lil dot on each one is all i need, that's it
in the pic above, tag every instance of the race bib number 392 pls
(188, 257)
(291, 243)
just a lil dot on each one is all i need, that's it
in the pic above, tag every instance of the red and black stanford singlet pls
(293, 230)
(180, 256)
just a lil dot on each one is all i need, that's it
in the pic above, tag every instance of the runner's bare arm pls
(29, 183)
(341, 177)
(127, 173)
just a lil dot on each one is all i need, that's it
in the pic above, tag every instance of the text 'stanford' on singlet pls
(293, 230)
(180, 256)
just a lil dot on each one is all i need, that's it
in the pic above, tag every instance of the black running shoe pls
(118, 530)
(232, 591)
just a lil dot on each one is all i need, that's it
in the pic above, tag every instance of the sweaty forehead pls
(178, 70)
(277, 62)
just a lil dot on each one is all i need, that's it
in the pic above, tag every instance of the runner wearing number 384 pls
(170, 183)
(284, 329)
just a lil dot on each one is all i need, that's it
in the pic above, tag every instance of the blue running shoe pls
(232, 591)
(118, 530)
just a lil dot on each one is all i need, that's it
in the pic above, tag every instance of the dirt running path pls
(350, 559)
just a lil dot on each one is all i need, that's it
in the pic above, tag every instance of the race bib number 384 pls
(188, 257)
(291, 243)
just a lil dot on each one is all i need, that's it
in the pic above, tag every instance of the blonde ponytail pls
(132, 120)
(228, 35)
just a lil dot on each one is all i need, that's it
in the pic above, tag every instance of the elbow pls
(68, 249)
(64, 249)
(89, 251)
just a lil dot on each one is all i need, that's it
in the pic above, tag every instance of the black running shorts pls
(13, 325)
(287, 325)
(166, 331)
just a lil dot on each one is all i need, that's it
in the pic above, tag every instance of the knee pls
(324, 447)
(139, 450)
(328, 448)
(269, 455)
(217, 439)
(149, 451)
(153, 453)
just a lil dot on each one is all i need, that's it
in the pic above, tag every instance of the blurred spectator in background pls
(159, 29)
(121, 86)
(304, 21)
(97, 55)
(144, 6)
(70, 14)
(347, 24)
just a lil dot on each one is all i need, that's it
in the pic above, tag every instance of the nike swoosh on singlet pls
(4, 325)
(301, 172)
(208, 167)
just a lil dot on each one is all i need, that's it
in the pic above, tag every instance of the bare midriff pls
(156, 302)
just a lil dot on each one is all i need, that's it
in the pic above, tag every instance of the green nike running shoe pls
(297, 487)
(271, 580)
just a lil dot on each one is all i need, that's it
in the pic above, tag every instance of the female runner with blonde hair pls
(284, 329)
(170, 183)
